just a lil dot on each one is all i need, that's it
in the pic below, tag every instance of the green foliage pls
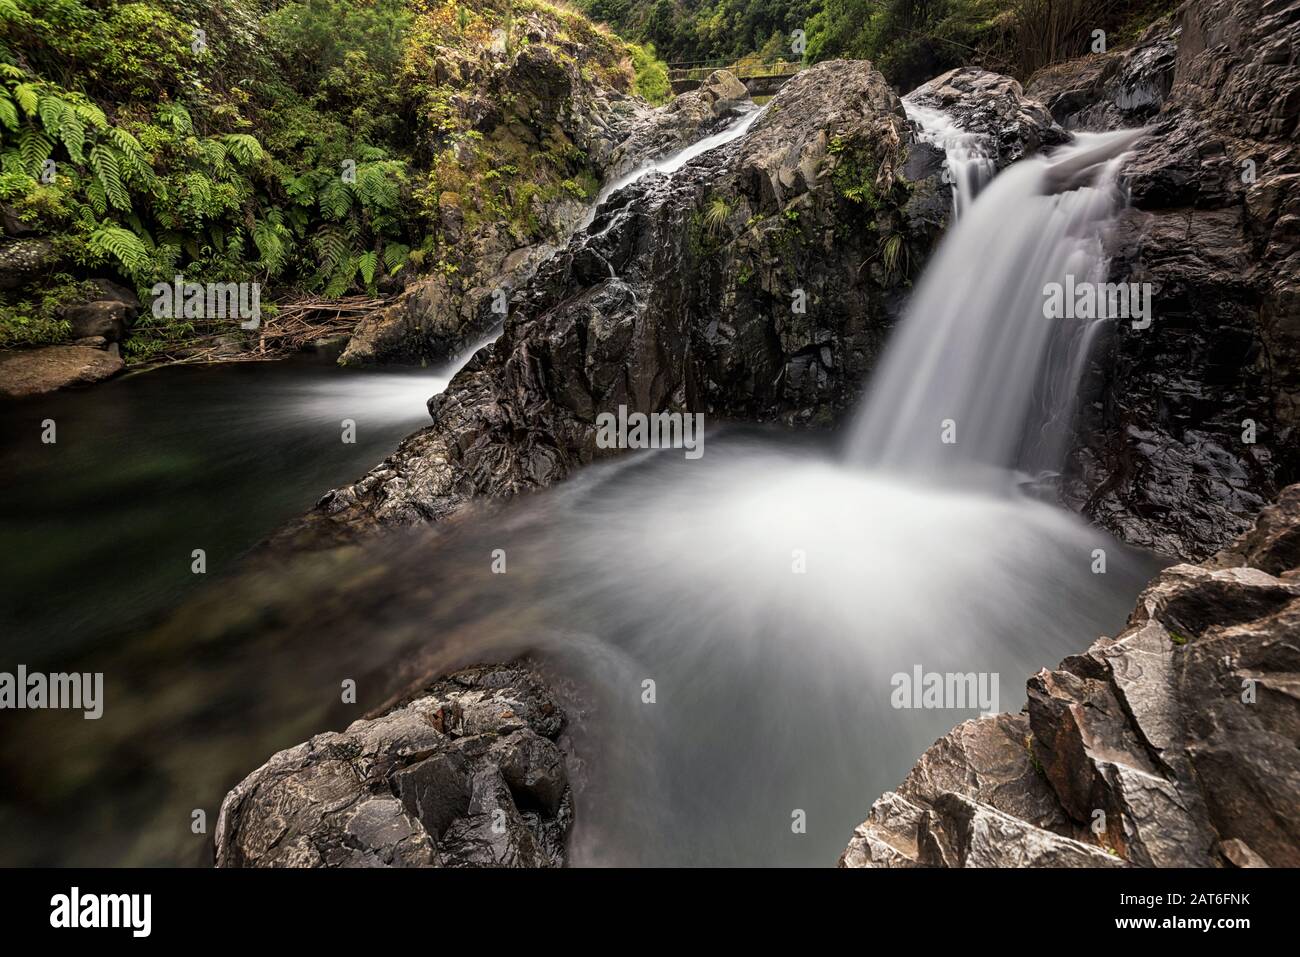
(221, 159)
(911, 41)
(715, 216)
(312, 146)
(651, 75)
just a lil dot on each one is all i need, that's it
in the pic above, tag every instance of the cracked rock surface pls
(1171, 745)
(465, 774)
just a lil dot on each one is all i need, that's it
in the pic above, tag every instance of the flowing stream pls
(768, 594)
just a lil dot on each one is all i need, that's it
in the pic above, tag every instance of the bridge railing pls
(745, 68)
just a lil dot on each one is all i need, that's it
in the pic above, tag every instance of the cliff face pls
(1170, 745)
(1196, 426)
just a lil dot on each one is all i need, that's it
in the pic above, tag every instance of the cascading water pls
(969, 167)
(974, 355)
(733, 627)
(670, 164)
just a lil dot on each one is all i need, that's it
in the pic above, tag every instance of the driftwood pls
(293, 326)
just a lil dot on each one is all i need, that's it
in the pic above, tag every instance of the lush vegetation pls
(910, 40)
(304, 145)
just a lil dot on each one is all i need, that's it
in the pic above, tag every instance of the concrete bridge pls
(761, 78)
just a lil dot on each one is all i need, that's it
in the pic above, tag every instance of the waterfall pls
(674, 161)
(976, 376)
(969, 163)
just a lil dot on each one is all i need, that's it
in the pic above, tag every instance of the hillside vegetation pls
(300, 145)
(911, 41)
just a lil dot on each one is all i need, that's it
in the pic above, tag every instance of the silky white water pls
(968, 163)
(675, 161)
(976, 377)
(736, 625)
(726, 633)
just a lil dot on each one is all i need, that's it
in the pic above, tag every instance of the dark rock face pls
(439, 315)
(1171, 745)
(466, 774)
(994, 106)
(26, 372)
(1196, 428)
(753, 285)
(686, 119)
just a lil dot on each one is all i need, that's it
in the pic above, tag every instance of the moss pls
(1033, 758)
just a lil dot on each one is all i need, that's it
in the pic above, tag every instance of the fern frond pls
(331, 249)
(125, 142)
(51, 110)
(105, 163)
(92, 114)
(395, 256)
(8, 112)
(244, 147)
(35, 148)
(177, 117)
(268, 239)
(335, 199)
(73, 133)
(367, 263)
(28, 98)
(123, 245)
(378, 184)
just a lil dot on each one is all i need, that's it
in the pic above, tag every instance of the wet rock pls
(687, 118)
(555, 94)
(464, 774)
(750, 285)
(1196, 423)
(1171, 745)
(26, 372)
(995, 107)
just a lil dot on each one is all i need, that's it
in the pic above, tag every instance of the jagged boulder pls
(759, 282)
(996, 108)
(1171, 745)
(689, 117)
(1196, 425)
(465, 774)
